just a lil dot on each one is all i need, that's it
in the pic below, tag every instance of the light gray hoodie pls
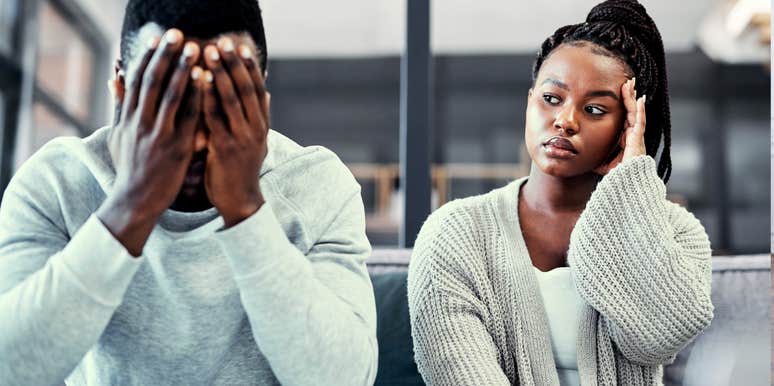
(282, 297)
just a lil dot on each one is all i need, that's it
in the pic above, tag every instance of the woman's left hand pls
(632, 139)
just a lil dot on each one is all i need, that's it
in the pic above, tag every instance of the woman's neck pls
(547, 193)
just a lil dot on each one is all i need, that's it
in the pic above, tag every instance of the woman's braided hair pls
(626, 31)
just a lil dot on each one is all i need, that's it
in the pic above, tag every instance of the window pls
(66, 63)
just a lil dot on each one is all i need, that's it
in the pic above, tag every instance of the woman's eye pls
(550, 99)
(594, 110)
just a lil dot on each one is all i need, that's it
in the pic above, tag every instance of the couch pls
(734, 350)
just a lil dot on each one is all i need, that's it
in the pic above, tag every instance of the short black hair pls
(203, 19)
(625, 29)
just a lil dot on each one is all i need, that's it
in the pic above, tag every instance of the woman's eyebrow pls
(556, 83)
(602, 93)
(596, 93)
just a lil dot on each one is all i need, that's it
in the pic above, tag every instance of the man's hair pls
(203, 19)
(627, 32)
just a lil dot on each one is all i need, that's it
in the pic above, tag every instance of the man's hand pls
(236, 110)
(153, 141)
(632, 139)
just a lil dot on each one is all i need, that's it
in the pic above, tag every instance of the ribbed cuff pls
(255, 242)
(637, 177)
(98, 262)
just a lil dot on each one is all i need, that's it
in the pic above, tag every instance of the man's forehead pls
(151, 29)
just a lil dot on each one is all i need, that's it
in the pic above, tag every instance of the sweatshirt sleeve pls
(452, 345)
(643, 263)
(57, 292)
(312, 314)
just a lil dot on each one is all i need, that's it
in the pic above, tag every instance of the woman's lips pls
(558, 147)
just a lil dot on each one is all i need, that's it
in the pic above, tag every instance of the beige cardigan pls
(641, 263)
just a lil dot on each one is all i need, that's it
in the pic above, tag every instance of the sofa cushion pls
(393, 331)
(733, 350)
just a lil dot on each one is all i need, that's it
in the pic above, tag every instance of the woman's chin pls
(562, 169)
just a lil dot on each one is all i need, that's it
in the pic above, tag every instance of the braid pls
(623, 29)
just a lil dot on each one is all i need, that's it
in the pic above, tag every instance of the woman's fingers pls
(629, 99)
(635, 135)
(638, 132)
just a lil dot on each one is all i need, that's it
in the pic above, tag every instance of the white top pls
(563, 307)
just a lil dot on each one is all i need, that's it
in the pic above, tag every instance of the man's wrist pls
(239, 214)
(129, 225)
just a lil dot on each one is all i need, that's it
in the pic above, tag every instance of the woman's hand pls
(632, 139)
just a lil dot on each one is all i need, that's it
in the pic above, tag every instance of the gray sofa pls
(734, 350)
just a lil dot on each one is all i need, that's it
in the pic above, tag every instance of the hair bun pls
(628, 13)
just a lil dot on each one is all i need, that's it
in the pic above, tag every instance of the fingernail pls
(153, 41)
(228, 45)
(195, 73)
(208, 76)
(189, 50)
(173, 36)
(214, 55)
(245, 52)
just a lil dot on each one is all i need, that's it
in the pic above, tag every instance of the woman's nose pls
(566, 121)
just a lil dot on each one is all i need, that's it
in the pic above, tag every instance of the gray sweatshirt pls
(282, 297)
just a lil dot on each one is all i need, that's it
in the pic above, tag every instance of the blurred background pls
(335, 78)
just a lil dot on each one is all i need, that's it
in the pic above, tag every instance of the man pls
(187, 243)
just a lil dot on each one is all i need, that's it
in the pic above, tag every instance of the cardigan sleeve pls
(452, 345)
(643, 263)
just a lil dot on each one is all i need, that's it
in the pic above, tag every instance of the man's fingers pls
(212, 111)
(256, 74)
(224, 87)
(156, 73)
(241, 79)
(188, 116)
(176, 88)
(133, 78)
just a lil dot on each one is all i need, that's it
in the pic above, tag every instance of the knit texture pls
(641, 263)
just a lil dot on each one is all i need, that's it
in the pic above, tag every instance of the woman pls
(582, 272)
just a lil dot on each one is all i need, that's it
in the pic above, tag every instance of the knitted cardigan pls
(641, 263)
